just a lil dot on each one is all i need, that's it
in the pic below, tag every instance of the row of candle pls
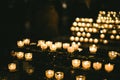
(84, 20)
(90, 40)
(24, 42)
(49, 73)
(86, 64)
(94, 29)
(60, 75)
(88, 35)
(21, 55)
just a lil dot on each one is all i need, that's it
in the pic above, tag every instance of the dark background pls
(44, 19)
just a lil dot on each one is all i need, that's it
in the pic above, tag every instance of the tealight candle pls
(66, 45)
(114, 31)
(90, 40)
(49, 73)
(53, 48)
(20, 55)
(117, 37)
(72, 28)
(40, 42)
(26, 41)
(12, 67)
(97, 65)
(20, 44)
(93, 48)
(76, 38)
(75, 46)
(58, 45)
(95, 41)
(80, 77)
(74, 23)
(28, 56)
(105, 41)
(70, 49)
(81, 39)
(112, 54)
(59, 75)
(86, 64)
(102, 36)
(72, 38)
(109, 67)
(76, 63)
(88, 34)
(49, 43)
(78, 34)
(77, 19)
(43, 46)
(112, 37)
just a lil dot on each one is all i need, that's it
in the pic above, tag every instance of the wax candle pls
(28, 56)
(20, 44)
(97, 65)
(80, 77)
(26, 41)
(109, 67)
(86, 64)
(49, 73)
(12, 67)
(59, 75)
(76, 63)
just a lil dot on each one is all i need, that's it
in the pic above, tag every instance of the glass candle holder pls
(59, 75)
(12, 67)
(109, 67)
(20, 55)
(20, 44)
(28, 56)
(76, 63)
(49, 74)
(97, 65)
(86, 64)
(80, 77)
(93, 48)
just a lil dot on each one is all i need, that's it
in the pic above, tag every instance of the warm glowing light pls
(49, 74)
(76, 63)
(59, 75)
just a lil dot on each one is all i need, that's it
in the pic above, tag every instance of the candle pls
(97, 65)
(80, 77)
(49, 73)
(86, 64)
(12, 67)
(109, 67)
(70, 49)
(20, 55)
(28, 56)
(40, 42)
(49, 43)
(112, 54)
(76, 63)
(95, 40)
(20, 44)
(58, 44)
(112, 37)
(26, 41)
(66, 45)
(72, 38)
(59, 75)
(102, 36)
(43, 46)
(75, 46)
(105, 41)
(93, 48)
(53, 48)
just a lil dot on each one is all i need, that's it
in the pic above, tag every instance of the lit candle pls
(58, 45)
(28, 56)
(49, 43)
(59, 75)
(53, 48)
(93, 48)
(66, 45)
(112, 37)
(95, 40)
(102, 36)
(112, 54)
(49, 74)
(76, 63)
(86, 64)
(80, 77)
(105, 41)
(109, 67)
(43, 46)
(72, 28)
(74, 23)
(117, 37)
(75, 46)
(70, 49)
(20, 44)
(97, 65)
(72, 38)
(76, 38)
(40, 42)
(26, 41)
(20, 55)
(12, 67)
